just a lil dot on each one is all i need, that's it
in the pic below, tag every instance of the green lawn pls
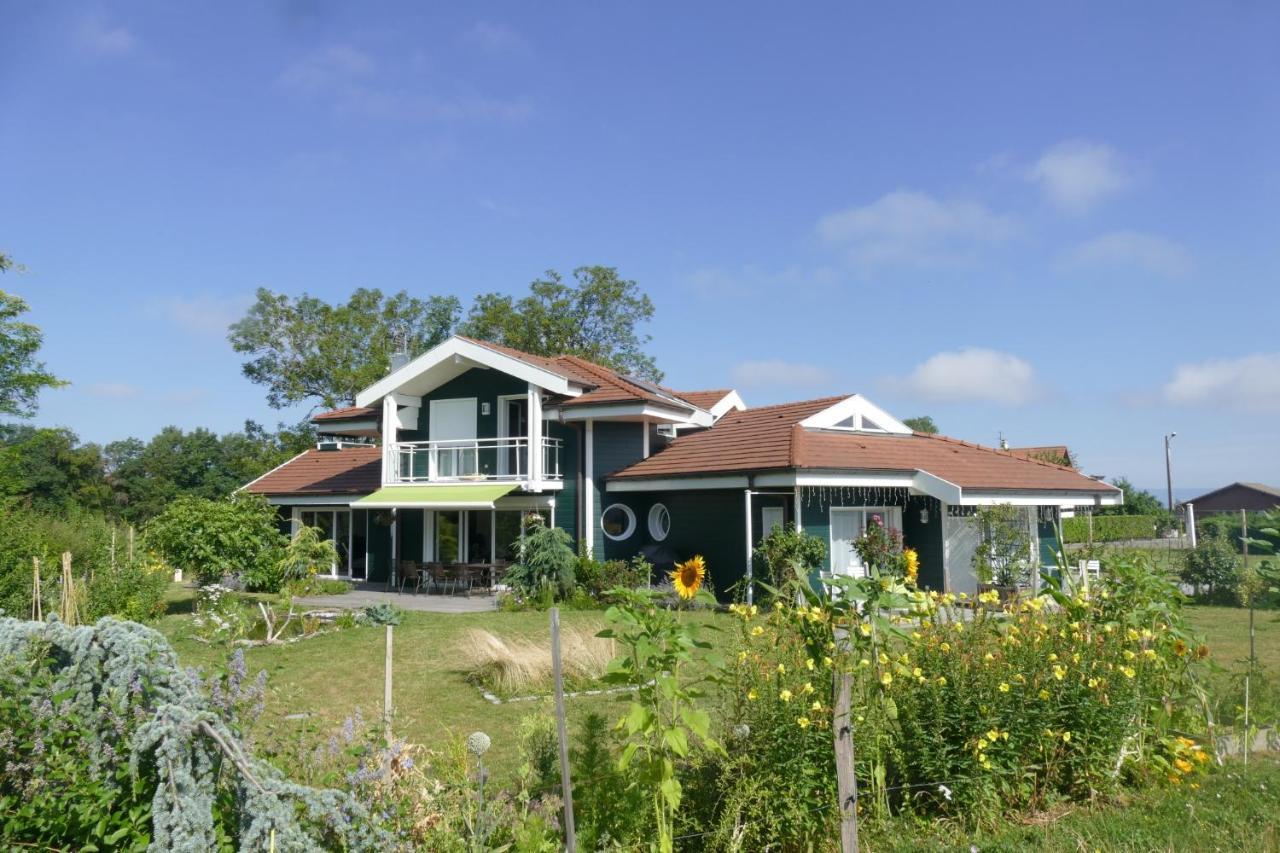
(329, 676)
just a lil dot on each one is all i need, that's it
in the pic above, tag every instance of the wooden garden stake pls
(70, 602)
(1244, 540)
(566, 783)
(113, 549)
(386, 687)
(37, 607)
(130, 543)
(846, 779)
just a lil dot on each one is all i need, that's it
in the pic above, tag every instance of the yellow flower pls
(826, 661)
(1066, 737)
(864, 629)
(946, 647)
(809, 663)
(742, 656)
(917, 672)
(808, 688)
(1044, 694)
(993, 735)
(988, 657)
(912, 560)
(864, 662)
(782, 668)
(1059, 672)
(785, 695)
(886, 679)
(757, 631)
(1128, 655)
(1183, 765)
(753, 694)
(1052, 657)
(1128, 671)
(688, 576)
(1004, 688)
(803, 722)
(816, 706)
(942, 681)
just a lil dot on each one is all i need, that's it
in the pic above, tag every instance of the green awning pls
(461, 496)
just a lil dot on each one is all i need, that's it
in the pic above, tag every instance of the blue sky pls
(1060, 224)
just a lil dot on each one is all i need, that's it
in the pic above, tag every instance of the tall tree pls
(594, 317)
(22, 377)
(50, 469)
(924, 423)
(1136, 501)
(305, 349)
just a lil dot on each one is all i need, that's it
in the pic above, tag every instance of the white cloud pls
(1149, 252)
(495, 38)
(1076, 175)
(757, 374)
(913, 227)
(970, 375)
(114, 390)
(347, 77)
(205, 315)
(96, 35)
(1247, 384)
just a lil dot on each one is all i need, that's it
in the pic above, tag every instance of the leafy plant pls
(211, 540)
(787, 552)
(545, 560)
(1211, 567)
(1003, 557)
(383, 614)
(307, 555)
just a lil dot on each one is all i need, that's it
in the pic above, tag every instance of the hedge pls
(1111, 528)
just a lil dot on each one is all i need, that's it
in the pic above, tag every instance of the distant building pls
(1252, 497)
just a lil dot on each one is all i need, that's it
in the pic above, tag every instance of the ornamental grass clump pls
(514, 666)
(957, 712)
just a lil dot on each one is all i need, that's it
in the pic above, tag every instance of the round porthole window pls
(659, 522)
(618, 521)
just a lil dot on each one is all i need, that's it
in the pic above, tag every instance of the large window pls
(847, 525)
(659, 522)
(618, 522)
(335, 526)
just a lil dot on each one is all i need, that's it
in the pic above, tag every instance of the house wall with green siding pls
(567, 513)
(379, 545)
(615, 445)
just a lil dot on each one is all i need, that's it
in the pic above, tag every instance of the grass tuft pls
(515, 666)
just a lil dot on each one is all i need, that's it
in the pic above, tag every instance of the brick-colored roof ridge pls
(1004, 454)
(545, 362)
(344, 412)
(795, 404)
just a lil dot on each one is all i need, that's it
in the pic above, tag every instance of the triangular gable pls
(856, 414)
(454, 357)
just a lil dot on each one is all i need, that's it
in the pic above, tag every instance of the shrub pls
(1002, 557)
(545, 560)
(133, 591)
(214, 539)
(787, 552)
(26, 533)
(383, 614)
(597, 578)
(306, 556)
(1211, 567)
(1116, 528)
(609, 811)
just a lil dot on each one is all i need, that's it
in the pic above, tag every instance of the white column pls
(295, 521)
(1191, 524)
(389, 424)
(493, 535)
(798, 522)
(746, 493)
(553, 513)
(645, 426)
(535, 437)
(589, 488)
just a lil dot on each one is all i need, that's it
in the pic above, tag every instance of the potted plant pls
(1002, 562)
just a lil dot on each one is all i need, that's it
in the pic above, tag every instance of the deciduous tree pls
(22, 376)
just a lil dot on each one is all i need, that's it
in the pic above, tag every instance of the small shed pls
(1252, 497)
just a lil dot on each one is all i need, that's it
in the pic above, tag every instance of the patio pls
(370, 594)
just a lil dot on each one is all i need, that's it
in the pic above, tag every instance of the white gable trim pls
(668, 484)
(729, 402)
(465, 351)
(272, 471)
(1046, 498)
(856, 407)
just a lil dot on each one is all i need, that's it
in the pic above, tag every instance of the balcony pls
(474, 460)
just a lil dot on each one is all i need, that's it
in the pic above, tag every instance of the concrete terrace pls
(370, 594)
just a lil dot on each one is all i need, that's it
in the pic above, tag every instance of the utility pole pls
(1168, 467)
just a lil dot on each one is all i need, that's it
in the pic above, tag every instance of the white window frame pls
(655, 512)
(867, 512)
(631, 522)
(335, 570)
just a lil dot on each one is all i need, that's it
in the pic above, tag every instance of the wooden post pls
(130, 543)
(1248, 675)
(846, 779)
(70, 603)
(37, 605)
(386, 687)
(566, 784)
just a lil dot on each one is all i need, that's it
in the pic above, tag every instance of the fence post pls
(566, 783)
(386, 687)
(130, 543)
(37, 605)
(846, 778)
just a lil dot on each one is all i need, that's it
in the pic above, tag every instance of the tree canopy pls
(1136, 501)
(305, 349)
(22, 376)
(594, 317)
(924, 423)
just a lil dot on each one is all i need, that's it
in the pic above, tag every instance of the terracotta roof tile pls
(348, 413)
(1048, 453)
(703, 399)
(770, 438)
(349, 471)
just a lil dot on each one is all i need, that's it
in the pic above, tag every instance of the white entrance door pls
(770, 517)
(960, 538)
(453, 422)
(846, 527)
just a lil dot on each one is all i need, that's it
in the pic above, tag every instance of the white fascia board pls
(881, 481)
(934, 486)
(676, 484)
(425, 505)
(1047, 498)
(272, 471)
(348, 427)
(729, 402)
(856, 405)
(630, 411)
(480, 355)
(312, 500)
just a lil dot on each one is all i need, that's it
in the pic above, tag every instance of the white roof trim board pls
(858, 408)
(466, 355)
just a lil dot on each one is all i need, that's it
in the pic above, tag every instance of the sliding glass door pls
(334, 525)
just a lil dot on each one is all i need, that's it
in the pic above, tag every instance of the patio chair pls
(436, 578)
(1090, 571)
(459, 576)
(481, 577)
(410, 573)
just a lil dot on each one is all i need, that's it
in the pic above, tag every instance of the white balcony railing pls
(473, 459)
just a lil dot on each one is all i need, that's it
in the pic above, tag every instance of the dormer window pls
(858, 423)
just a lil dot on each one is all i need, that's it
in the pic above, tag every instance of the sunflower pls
(912, 561)
(688, 576)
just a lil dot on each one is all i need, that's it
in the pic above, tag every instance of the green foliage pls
(111, 744)
(596, 578)
(27, 533)
(663, 725)
(786, 553)
(1136, 502)
(133, 591)
(1115, 528)
(1211, 567)
(595, 318)
(545, 560)
(22, 376)
(1262, 530)
(306, 349)
(214, 539)
(924, 424)
(50, 470)
(383, 614)
(307, 555)
(1004, 555)
(608, 811)
(539, 746)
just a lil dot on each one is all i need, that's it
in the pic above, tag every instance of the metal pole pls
(566, 783)
(750, 567)
(1168, 467)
